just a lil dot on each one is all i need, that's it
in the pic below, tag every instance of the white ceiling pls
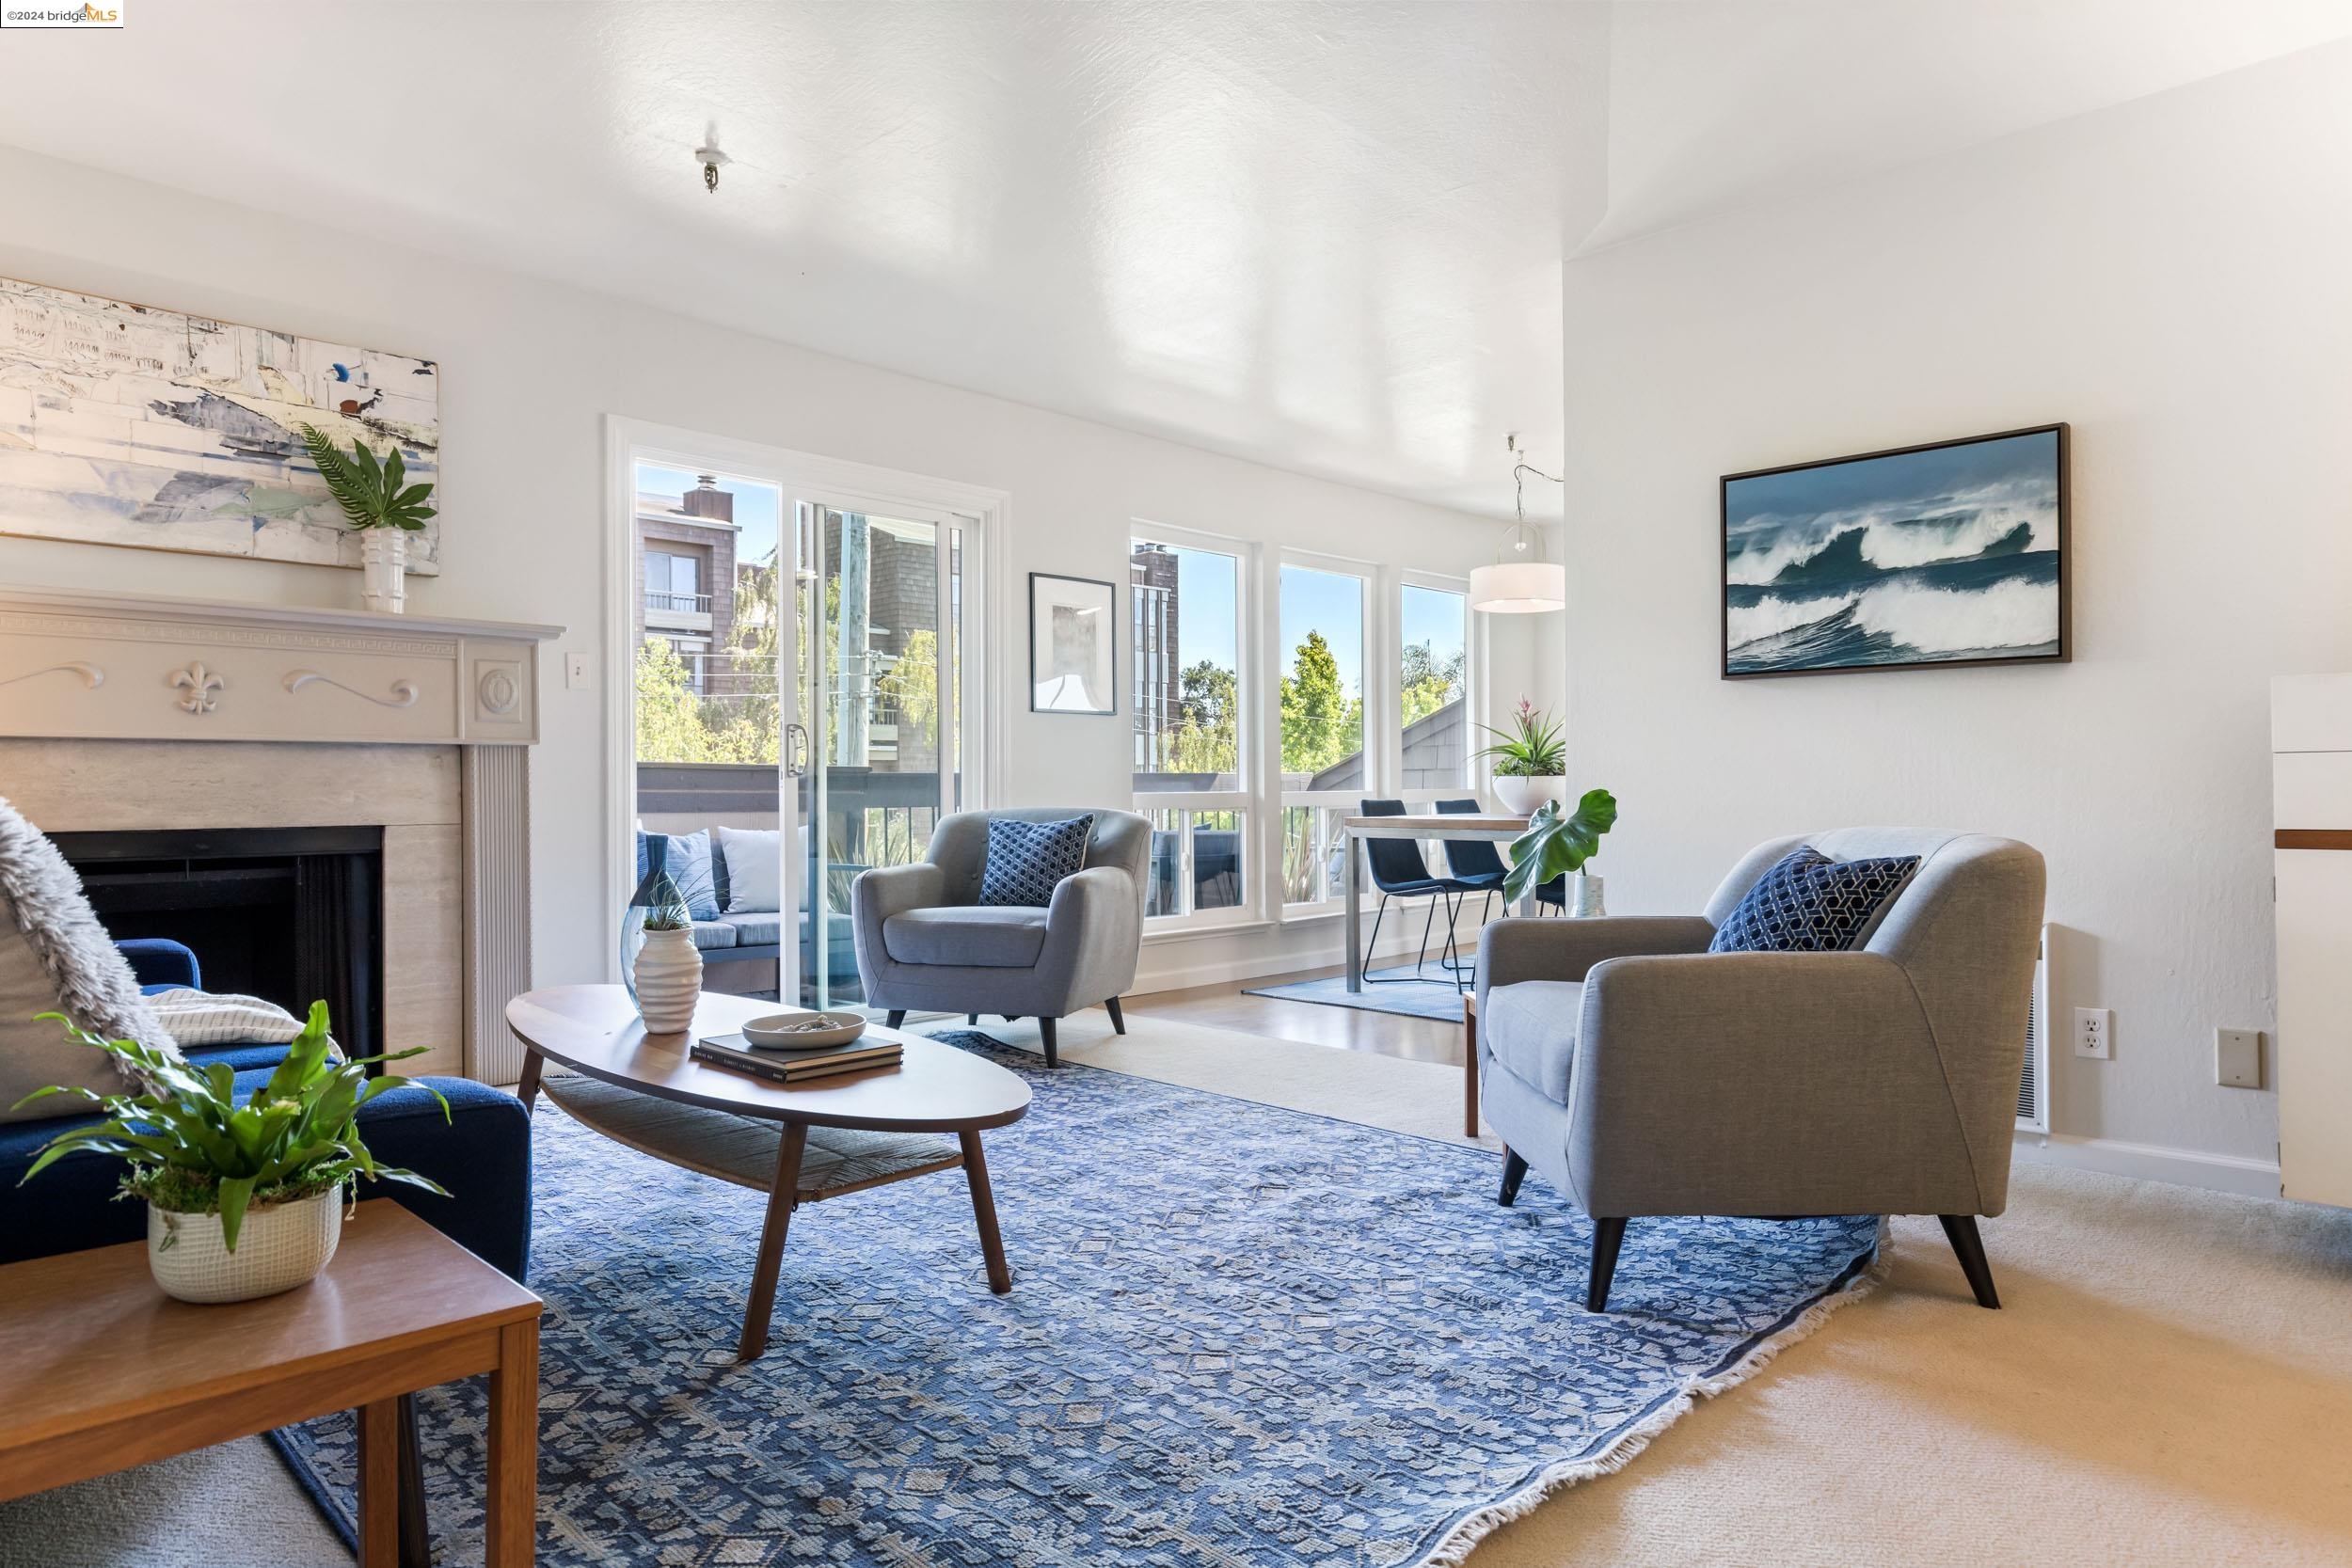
(1327, 237)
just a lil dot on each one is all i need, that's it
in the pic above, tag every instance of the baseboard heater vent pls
(2033, 1089)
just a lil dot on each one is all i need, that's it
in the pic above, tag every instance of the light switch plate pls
(2095, 1033)
(576, 672)
(2237, 1058)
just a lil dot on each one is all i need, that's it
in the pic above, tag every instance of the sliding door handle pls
(795, 751)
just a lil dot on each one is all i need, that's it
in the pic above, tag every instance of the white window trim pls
(1374, 594)
(1244, 554)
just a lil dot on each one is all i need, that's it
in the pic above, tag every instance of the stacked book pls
(794, 1067)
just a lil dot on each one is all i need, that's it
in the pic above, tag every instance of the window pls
(1184, 629)
(1321, 696)
(1433, 688)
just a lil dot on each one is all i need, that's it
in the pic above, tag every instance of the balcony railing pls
(678, 604)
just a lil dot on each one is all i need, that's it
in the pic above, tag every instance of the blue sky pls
(758, 507)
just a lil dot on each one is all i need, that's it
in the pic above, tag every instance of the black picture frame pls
(1051, 689)
(2064, 650)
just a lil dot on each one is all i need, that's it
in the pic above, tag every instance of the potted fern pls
(382, 507)
(242, 1200)
(1529, 759)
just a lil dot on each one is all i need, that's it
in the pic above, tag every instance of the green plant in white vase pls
(667, 970)
(1529, 759)
(242, 1200)
(1558, 843)
(381, 506)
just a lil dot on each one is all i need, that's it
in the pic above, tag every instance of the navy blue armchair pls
(480, 1152)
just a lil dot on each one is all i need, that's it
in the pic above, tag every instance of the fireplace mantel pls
(98, 666)
(122, 712)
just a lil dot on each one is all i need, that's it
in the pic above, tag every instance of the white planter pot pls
(384, 569)
(279, 1245)
(1585, 896)
(669, 981)
(1520, 795)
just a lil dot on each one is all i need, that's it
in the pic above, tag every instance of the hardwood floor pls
(1224, 1006)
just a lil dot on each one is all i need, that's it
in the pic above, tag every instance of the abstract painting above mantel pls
(1952, 553)
(124, 424)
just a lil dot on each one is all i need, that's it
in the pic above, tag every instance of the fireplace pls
(292, 915)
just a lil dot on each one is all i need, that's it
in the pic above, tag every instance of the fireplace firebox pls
(292, 915)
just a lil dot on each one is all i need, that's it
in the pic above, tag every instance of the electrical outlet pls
(576, 672)
(2094, 1032)
(2237, 1058)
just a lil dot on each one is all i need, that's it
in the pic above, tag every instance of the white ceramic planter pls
(279, 1245)
(1585, 896)
(1520, 795)
(384, 569)
(669, 981)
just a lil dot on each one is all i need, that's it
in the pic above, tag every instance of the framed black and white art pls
(1947, 554)
(1073, 634)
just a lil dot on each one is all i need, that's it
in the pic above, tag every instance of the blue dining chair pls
(1399, 872)
(1474, 865)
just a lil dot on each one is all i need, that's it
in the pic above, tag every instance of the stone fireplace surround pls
(128, 712)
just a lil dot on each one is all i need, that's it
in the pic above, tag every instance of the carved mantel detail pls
(404, 692)
(92, 678)
(195, 686)
(248, 671)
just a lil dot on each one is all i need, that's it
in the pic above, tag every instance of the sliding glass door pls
(875, 738)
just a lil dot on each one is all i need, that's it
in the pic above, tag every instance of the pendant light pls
(1522, 581)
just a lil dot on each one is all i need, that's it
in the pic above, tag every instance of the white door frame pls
(803, 476)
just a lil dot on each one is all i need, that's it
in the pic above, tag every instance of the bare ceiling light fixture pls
(712, 160)
(1521, 582)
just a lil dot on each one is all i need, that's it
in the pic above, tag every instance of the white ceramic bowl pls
(790, 1031)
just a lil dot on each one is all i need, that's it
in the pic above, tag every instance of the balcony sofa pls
(480, 1152)
(740, 929)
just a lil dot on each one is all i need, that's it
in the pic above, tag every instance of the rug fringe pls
(1451, 1551)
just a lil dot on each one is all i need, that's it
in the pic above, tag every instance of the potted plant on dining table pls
(1529, 759)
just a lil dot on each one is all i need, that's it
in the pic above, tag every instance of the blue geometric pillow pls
(1026, 859)
(688, 860)
(1810, 903)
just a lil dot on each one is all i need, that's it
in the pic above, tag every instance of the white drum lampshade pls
(1521, 582)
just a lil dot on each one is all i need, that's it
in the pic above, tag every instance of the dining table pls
(1500, 829)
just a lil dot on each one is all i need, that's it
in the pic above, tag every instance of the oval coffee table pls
(798, 1144)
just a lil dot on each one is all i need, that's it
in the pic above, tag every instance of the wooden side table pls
(104, 1372)
(1469, 1064)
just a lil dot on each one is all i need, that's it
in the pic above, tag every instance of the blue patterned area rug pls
(1237, 1335)
(1388, 991)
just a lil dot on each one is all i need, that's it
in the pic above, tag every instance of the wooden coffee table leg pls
(528, 1088)
(511, 1521)
(781, 1197)
(984, 1211)
(379, 1484)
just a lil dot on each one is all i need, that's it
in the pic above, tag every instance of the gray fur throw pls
(56, 956)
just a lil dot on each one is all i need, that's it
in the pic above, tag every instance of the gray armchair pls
(926, 942)
(1643, 1075)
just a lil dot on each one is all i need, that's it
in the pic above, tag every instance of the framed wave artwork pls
(1952, 553)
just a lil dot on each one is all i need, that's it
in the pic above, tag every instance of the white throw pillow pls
(755, 868)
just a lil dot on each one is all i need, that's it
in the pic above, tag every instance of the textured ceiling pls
(1327, 237)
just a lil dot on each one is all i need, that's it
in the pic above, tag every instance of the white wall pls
(2174, 278)
(530, 368)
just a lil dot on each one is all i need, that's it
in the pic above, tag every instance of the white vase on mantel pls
(669, 981)
(1523, 793)
(384, 570)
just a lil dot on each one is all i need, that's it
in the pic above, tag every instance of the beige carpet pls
(2169, 1382)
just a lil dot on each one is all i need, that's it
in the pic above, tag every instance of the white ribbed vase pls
(279, 1245)
(669, 981)
(384, 569)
